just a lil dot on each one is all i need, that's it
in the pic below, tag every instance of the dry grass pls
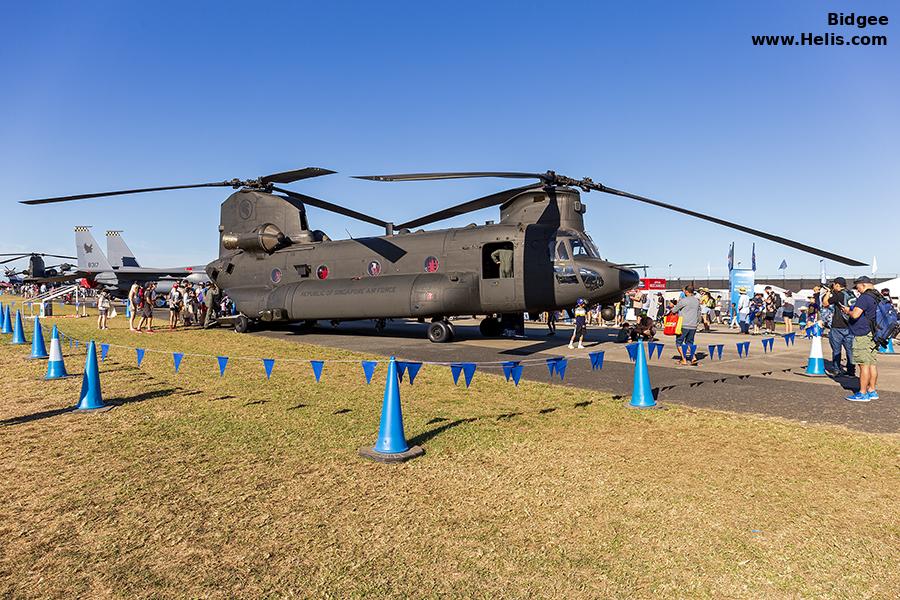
(197, 486)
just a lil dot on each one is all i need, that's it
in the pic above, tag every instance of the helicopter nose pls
(628, 279)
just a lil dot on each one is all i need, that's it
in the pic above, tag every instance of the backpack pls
(886, 324)
(776, 302)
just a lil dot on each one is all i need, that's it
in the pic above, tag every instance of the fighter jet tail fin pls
(90, 257)
(118, 252)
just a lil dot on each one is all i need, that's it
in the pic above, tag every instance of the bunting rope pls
(512, 369)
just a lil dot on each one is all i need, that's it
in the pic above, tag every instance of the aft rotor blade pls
(467, 207)
(60, 256)
(292, 176)
(325, 205)
(452, 175)
(125, 192)
(15, 258)
(744, 228)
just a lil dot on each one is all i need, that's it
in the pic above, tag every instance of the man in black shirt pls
(840, 337)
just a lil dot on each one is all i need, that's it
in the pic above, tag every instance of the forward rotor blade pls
(745, 229)
(467, 207)
(60, 256)
(292, 176)
(325, 205)
(124, 192)
(9, 260)
(451, 175)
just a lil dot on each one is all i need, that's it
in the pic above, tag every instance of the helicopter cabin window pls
(497, 261)
(562, 253)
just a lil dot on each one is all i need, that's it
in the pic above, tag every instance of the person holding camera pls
(834, 299)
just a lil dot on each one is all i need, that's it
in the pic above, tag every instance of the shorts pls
(147, 310)
(788, 315)
(104, 312)
(864, 350)
(579, 330)
(686, 336)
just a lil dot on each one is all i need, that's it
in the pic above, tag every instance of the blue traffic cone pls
(90, 397)
(641, 394)
(889, 349)
(38, 348)
(391, 445)
(6, 327)
(19, 331)
(56, 368)
(815, 366)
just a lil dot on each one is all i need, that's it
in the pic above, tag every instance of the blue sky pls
(665, 99)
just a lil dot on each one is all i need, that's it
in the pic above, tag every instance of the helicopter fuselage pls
(537, 258)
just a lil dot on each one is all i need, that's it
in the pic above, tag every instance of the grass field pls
(201, 486)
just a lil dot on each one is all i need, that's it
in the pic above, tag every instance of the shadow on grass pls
(149, 395)
(425, 436)
(46, 414)
(117, 401)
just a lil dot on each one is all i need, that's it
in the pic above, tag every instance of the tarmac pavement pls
(765, 383)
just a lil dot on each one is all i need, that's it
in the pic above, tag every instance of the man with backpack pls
(772, 304)
(863, 325)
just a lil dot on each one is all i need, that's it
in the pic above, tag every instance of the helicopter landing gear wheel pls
(379, 326)
(440, 332)
(490, 327)
(242, 325)
(452, 330)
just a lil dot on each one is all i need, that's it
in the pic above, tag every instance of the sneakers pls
(580, 346)
(857, 397)
(571, 347)
(873, 395)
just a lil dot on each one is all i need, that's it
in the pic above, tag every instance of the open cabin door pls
(498, 276)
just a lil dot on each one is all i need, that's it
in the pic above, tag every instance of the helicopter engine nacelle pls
(265, 238)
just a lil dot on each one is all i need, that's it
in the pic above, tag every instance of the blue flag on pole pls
(753, 258)
(176, 359)
(223, 362)
(104, 350)
(783, 264)
(140, 355)
(731, 258)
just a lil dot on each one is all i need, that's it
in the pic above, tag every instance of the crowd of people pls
(189, 305)
(846, 313)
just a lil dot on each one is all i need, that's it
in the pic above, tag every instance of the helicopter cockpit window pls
(562, 252)
(582, 248)
(565, 274)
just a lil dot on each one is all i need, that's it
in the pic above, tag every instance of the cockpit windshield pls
(583, 246)
(571, 245)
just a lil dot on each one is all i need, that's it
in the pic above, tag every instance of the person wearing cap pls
(689, 309)
(580, 324)
(861, 319)
(839, 335)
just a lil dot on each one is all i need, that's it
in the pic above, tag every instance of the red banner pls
(652, 284)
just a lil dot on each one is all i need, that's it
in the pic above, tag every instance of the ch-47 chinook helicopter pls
(537, 257)
(36, 269)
